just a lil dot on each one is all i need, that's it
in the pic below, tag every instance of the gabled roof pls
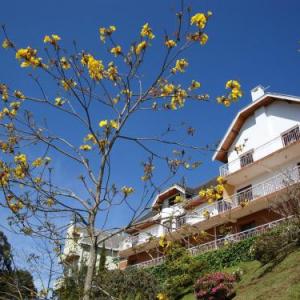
(167, 193)
(239, 120)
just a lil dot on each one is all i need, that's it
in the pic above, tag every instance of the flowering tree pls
(85, 87)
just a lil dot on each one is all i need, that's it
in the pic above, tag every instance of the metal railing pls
(285, 139)
(219, 243)
(271, 185)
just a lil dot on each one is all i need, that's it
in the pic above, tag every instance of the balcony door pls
(245, 194)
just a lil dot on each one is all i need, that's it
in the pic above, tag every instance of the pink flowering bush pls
(215, 286)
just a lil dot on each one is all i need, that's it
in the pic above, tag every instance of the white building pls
(260, 152)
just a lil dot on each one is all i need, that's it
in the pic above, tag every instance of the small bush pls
(275, 242)
(215, 286)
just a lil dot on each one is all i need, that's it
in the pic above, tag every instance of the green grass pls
(280, 283)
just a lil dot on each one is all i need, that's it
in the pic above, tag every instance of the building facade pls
(260, 153)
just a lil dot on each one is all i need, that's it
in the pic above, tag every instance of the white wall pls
(264, 126)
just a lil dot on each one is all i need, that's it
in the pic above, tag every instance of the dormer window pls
(291, 136)
(246, 159)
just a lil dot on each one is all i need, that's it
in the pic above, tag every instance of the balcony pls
(273, 184)
(285, 139)
(216, 244)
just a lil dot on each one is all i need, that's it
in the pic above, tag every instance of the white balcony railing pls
(271, 146)
(271, 185)
(216, 244)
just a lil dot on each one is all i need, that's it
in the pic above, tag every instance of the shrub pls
(275, 242)
(178, 273)
(228, 256)
(215, 286)
(131, 284)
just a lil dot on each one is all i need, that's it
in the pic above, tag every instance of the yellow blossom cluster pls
(85, 147)
(19, 95)
(65, 64)
(52, 39)
(126, 190)
(112, 72)
(146, 31)
(90, 138)
(180, 65)
(21, 166)
(4, 174)
(40, 161)
(109, 124)
(206, 214)
(104, 32)
(213, 193)
(140, 47)
(167, 90)
(58, 101)
(95, 67)
(117, 50)
(195, 85)
(164, 243)
(170, 43)
(68, 84)
(234, 94)
(7, 44)
(4, 91)
(200, 19)
(162, 296)
(28, 56)
(178, 99)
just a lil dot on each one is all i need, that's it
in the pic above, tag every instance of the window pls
(171, 201)
(246, 159)
(244, 194)
(291, 136)
(180, 221)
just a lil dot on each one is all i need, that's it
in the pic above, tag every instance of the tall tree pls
(83, 114)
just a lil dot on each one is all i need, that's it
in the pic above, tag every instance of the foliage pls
(13, 282)
(5, 253)
(228, 256)
(178, 272)
(131, 284)
(215, 286)
(275, 242)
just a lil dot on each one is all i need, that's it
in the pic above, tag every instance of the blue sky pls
(253, 41)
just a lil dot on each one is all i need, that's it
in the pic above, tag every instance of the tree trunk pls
(91, 266)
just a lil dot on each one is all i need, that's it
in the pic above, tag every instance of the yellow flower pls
(127, 92)
(147, 31)
(167, 90)
(85, 147)
(203, 38)
(220, 180)
(38, 162)
(19, 94)
(195, 85)
(49, 202)
(19, 172)
(90, 137)
(230, 84)
(21, 158)
(114, 124)
(58, 101)
(127, 190)
(180, 65)
(15, 105)
(65, 63)
(103, 123)
(141, 46)
(199, 20)
(29, 57)
(170, 43)
(116, 50)
(95, 68)
(112, 72)
(53, 39)
(202, 193)
(4, 91)
(67, 84)
(37, 180)
(7, 44)
(106, 32)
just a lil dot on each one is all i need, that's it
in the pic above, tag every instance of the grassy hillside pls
(282, 282)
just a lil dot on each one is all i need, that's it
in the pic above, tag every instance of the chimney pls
(257, 92)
